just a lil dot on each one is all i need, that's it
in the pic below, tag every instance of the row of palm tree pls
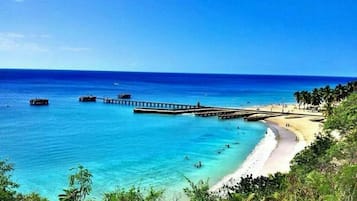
(326, 95)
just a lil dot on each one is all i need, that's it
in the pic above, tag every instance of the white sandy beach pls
(286, 136)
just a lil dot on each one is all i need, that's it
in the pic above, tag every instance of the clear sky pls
(306, 37)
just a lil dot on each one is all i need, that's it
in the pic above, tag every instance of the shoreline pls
(253, 163)
(287, 147)
(285, 137)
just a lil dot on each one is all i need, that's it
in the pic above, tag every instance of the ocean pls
(120, 148)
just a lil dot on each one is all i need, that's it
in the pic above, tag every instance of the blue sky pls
(305, 37)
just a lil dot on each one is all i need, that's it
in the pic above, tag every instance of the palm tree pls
(321, 92)
(306, 98)
(328, 98)
(340, 92)
(352, 86)
(297, 95)
(316, 97)
(327, 94)
(328, 109)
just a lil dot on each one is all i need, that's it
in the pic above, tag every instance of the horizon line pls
(163, 72)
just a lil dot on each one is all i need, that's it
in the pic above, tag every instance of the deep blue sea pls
(121, 148)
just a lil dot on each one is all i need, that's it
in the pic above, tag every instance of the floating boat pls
(39, 101)
(87, 99)
(124, 96)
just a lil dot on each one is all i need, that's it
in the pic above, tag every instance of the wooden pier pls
(148, 104)
(198, 110)
(258, 117)
(236, 115)
(171, 111)
(216, 112)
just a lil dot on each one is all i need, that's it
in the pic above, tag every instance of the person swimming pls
(198, 165)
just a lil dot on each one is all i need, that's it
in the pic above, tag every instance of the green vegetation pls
(344, 118)
(8, 187)
(325, 170)
(134, 194)
(79, 185)
(199, 191)
(260, 186)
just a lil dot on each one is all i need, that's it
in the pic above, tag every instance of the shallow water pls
(119, 147)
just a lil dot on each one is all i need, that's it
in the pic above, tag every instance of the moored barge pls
(87, 99)
(124, 96)
(39, 101)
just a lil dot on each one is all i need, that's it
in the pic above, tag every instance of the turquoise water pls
(119, 147)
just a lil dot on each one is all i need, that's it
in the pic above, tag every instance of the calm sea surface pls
(119, 147)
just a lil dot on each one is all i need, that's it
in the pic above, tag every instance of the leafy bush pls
(344, 117)
(8, 187)
(199, 191)
(80, 185)
(257, 188)
(134, 194)
(312, 156)
(30, 197)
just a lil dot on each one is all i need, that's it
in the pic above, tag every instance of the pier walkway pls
(172, 111)
(198, 110)
(147, 104)
(236, 114)
(216, 112)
